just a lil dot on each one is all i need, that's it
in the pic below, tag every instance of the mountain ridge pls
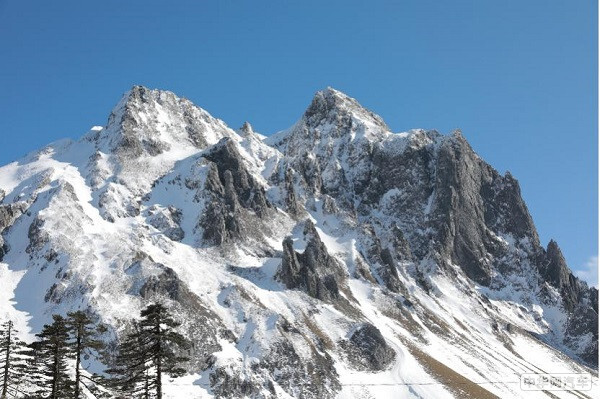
(389, 241)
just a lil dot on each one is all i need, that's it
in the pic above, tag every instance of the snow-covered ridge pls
(333, 259)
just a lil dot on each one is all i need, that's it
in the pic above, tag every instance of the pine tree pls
(52, 354)
(6, 347)
(14, 358)
(131, 366)
(158, 329)
(83, 333)
(149, 352)
(36, 371)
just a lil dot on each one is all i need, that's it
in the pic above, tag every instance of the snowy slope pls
(332, 259)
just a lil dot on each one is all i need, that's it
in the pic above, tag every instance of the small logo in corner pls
(556, 381)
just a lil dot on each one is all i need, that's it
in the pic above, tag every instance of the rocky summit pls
(333, 259)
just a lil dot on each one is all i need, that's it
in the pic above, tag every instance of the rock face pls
(292, 205)
(237, 199)
(459, 209)
(8, 214)
(583, 322)
(234, 175)
(282, 366)
(310, 264)
(382, 259)
(168, 221)
(203, 326)
(367, 349)
(137, 118)
(313, 271)
(555, 271)
(440, 199)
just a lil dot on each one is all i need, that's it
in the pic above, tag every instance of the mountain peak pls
(137, 91)
(330, 104)
(330, 92)
(152, 121)
(246, 129)
(136, 94)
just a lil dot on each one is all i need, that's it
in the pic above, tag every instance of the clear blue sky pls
(518, 77)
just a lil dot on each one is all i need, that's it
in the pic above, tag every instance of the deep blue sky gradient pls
(518, 77)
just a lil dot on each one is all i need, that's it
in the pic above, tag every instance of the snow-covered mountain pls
(334, 259)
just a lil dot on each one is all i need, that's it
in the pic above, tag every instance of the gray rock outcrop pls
(236, 200)
(313, 271)
(8, 214)
(168, 221)
(367, 349)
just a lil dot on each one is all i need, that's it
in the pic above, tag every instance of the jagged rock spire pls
(246, 129)
(314, 271)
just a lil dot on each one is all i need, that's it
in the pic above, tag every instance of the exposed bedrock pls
(8, 214)
(367, 349)
(158, 282)
(140, 129)
(555, 271)
(313, 271)
(292, 204)
(314, 377)
(237, 202)
(168, 221)
(382, 259)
